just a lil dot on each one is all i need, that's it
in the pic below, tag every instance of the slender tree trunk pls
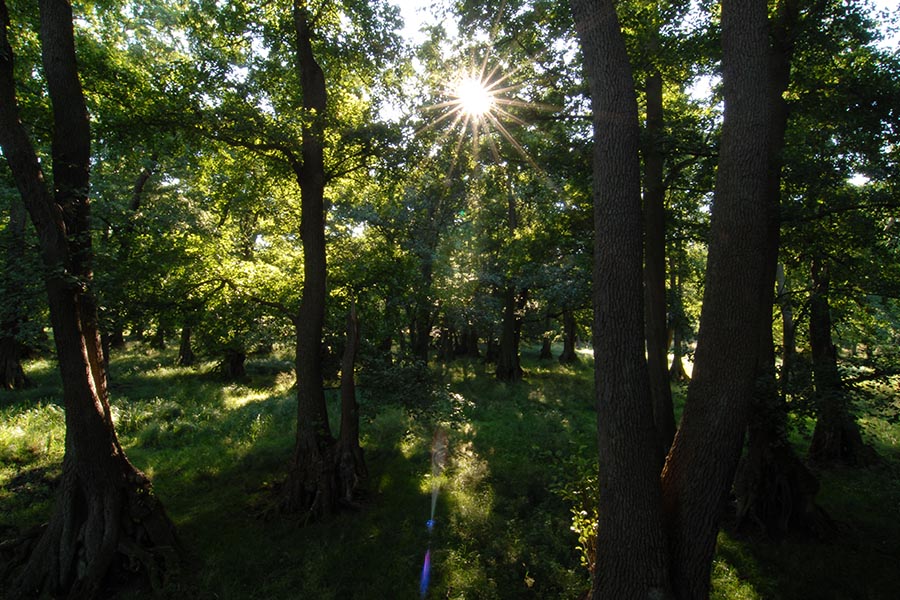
(701, 465)
(677, 326)
(788, 335)
(106, 513)
(352, 469)
(655, 327)
(311, 486)
(186, 356)
(631, 553)
(11, 348)
(509, 368)
(836, 437)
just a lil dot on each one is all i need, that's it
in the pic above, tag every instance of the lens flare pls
(426, 574)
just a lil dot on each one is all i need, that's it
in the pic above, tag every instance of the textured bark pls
(106, 516)
(352, 468)
(701, 465)
(655, 325)
(631, 545)
(775, 491)
(311, 486)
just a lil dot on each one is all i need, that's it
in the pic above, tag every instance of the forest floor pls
(513, 503)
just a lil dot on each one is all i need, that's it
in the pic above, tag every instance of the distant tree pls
(12, 289)
(106, 510)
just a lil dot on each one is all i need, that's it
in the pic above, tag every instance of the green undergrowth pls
(512, 504)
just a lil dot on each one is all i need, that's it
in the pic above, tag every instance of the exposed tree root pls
(102, 536)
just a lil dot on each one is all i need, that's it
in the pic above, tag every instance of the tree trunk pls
(655, 327)
(789, 334)
(836, 438)
(352, 469)
(677, 326)
(312, 484)
(106, 514)
(546, 349)
(570, 337)
(775, 491)
(186, 356)
(701, 465)
(631, 545)
(233, 364)
(11, 349)
(509, 368)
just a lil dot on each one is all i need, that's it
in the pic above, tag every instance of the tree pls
(11, 347)
(658, 533)
(631, 553)
(106, 508)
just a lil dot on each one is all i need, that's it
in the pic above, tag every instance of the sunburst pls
(478, 104)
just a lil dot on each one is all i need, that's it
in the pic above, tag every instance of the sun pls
(474, 97)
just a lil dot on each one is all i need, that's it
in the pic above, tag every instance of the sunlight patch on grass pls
(472, 498)
(728, 585)
(237, 396)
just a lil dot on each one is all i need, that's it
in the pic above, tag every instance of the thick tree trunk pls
(312, 483)
(701, 465)
(106, 515)
(655, 326)
(570, 338)
(352, 467)
(631, 553)
(775, 491)
(836, 438)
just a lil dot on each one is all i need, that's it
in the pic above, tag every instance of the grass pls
(519, 470)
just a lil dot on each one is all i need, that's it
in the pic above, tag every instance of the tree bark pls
(352, 468)
(655, 325)
(106, 513)
(11, 348)
(701, 465)
(631, 545)
(775, 491)
(311, 486)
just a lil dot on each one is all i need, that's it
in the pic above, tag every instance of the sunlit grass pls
(217, 452)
